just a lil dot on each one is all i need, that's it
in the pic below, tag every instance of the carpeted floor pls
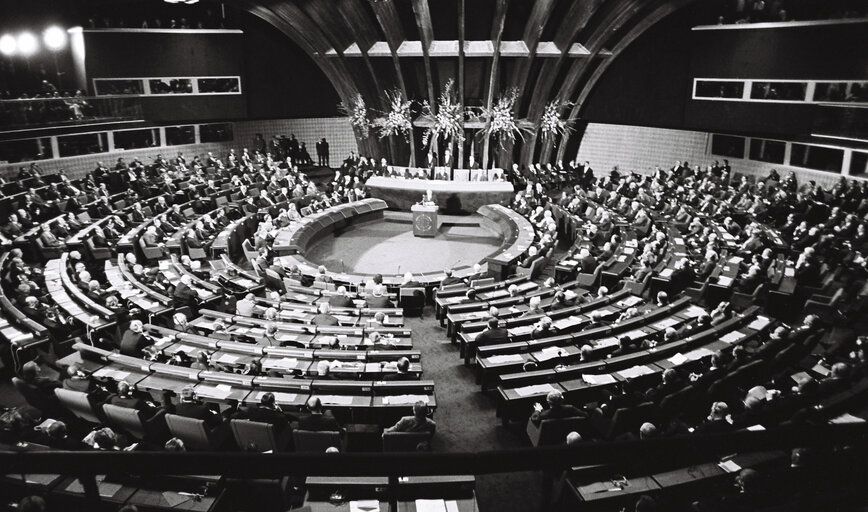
(386, 246)
(466, 420)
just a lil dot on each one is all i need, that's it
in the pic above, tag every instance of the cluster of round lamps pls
(26, 43)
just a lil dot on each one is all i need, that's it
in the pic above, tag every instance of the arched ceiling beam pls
(290, 20)
(496, 36)
(575, 20)
(647, 22)
(390, 23)
(426, 34)
(533, 31)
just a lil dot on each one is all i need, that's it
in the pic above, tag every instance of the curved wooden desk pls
(453, 197)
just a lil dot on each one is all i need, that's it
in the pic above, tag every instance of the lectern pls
(424, 220)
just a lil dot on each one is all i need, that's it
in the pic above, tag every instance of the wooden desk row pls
(517, 232)
(584, 381)
(363, 401)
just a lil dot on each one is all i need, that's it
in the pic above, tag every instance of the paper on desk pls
(567, 322)
(846, 418)
(695, 355)
(336, 400)
(278, 396)
(287, 363)
(729, 466)
(187, 349)
(731, 337)
(213, 391)
(724, 281)
(759, 323)
(666, 322)
(534, 390)
(636, 371)
(174, 499)
(430, 506)
(756, 428)
(227, 358)
(789, 272)
(506, 358)
(404, 399)
(549, 353)
(694, 311)
(365, 506)
(630, 301)
(607, 342)
(666, 272)
(40, 479)
(678, 359)
(622, 258)
(598, 380)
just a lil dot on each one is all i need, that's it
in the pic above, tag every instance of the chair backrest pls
(190, 430)
(125, 419)
(554, 431)
(631, 418)
(78, 403)
(481, 282)
(259, 433)
(315, 442)
(196, 253)
(273, 281)
(403, 441)
(34, 396)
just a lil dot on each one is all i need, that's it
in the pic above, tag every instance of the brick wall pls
(336, 130)
(640, 149)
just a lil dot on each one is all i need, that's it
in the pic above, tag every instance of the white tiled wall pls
(336, 130)
(640, 149)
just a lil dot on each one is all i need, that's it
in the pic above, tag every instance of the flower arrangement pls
(551, 124)
(448, 122)
(500, 121)
(357, 111)
(397, 120)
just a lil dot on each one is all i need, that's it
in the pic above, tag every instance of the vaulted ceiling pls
(545, 49)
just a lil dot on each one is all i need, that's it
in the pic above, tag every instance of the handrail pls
(684, 449)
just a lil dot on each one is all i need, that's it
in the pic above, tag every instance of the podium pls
(424, 220)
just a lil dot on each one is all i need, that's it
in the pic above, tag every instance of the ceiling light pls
(54, 38)
(8, 45)
(27, 44)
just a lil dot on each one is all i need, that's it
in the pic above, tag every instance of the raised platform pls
(453, 197)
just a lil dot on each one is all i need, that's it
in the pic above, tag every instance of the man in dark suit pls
(324, 317)
(184, 295)
(377, 299)
(403, 372)
(134, 340)
(341, 299)
(558, 409)
(449, 279)
(587, 261)
(318, 420)
(716, 421)
(192, 407)
(56, 437)
(493, 335)
(266, 412)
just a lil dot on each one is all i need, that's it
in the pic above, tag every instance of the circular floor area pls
(388, 246)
